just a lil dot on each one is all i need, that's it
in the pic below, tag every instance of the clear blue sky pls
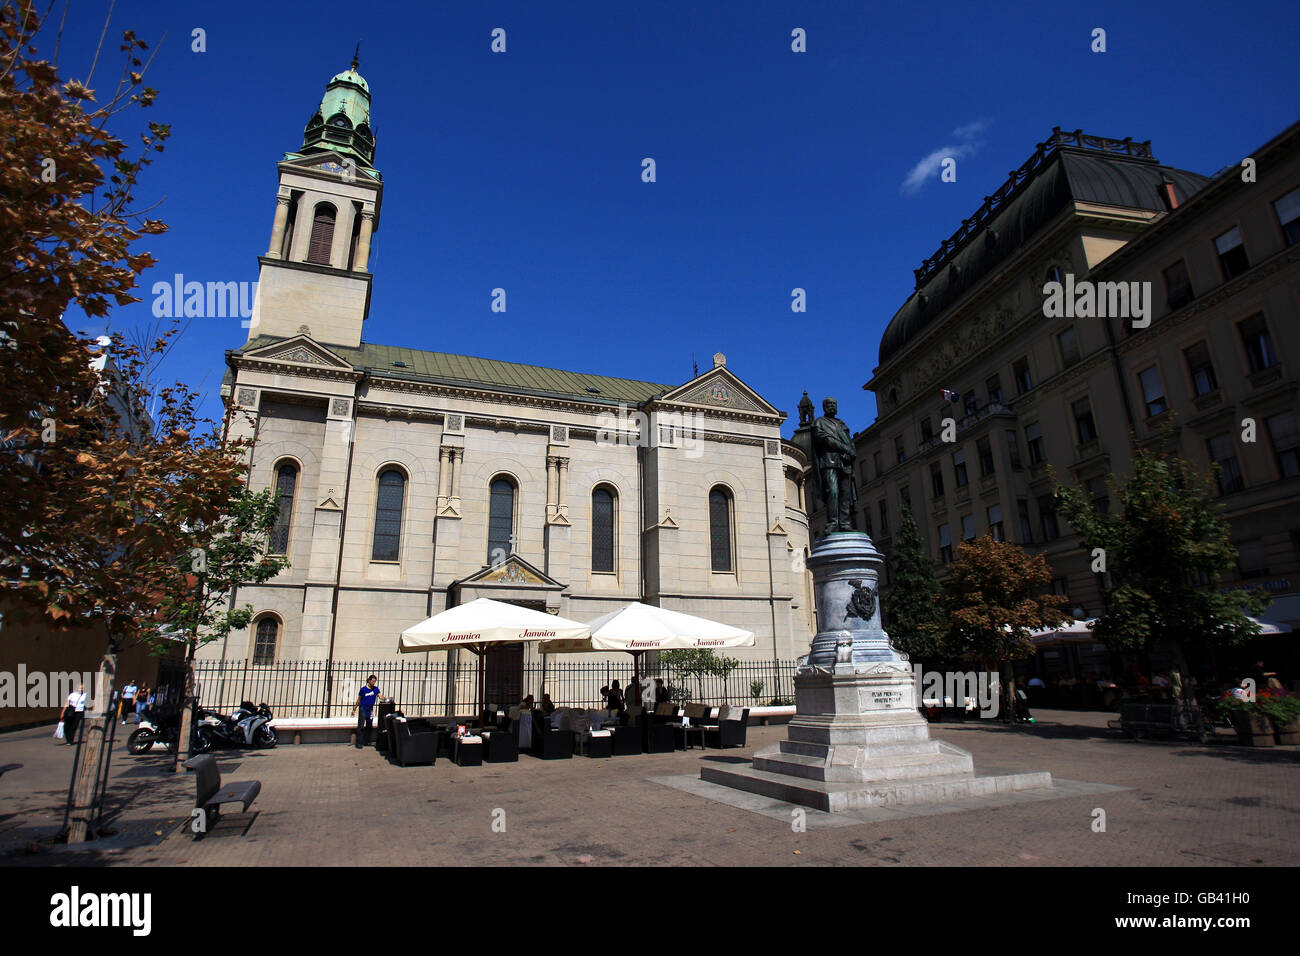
(776, 170)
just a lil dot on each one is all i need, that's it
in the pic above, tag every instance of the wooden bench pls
(211, 794)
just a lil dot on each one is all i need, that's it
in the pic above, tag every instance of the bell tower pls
(316, 270)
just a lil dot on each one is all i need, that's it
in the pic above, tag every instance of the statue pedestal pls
(857, 739)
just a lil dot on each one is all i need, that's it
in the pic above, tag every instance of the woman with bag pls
(72, 714)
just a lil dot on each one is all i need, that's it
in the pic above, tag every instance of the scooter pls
(249, 726)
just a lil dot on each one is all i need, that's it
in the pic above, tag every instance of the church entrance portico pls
(513, 581)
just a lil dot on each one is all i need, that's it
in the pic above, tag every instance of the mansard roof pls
(1067, 168)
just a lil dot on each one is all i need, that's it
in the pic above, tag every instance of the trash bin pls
(385, 708)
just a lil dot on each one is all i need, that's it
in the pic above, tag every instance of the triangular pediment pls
(298, 350)
(514, 571)
(720, 389)
(331, 162)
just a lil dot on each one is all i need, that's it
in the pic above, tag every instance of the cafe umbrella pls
(638, 628)
(482, 623)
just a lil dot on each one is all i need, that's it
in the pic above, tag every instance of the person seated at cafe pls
(614, 699)
(526, 704)
(661, 692)
(548, 706)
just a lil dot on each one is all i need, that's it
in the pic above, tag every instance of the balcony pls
(991, 410)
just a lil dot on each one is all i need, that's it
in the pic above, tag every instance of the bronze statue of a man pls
(833, 457)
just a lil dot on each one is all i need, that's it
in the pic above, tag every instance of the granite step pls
(835, 797)
(876, 768)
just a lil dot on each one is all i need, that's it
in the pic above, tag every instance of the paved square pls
(329, 804)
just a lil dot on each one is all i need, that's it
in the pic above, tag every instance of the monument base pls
(856, 741)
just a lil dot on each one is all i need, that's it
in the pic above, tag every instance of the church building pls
(410, 481)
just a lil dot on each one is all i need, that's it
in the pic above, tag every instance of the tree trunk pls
(187, 712)
(93, 729)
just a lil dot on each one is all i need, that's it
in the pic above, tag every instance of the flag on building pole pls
(949, 395)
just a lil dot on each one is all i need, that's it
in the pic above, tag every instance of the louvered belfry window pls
(602, 530)
(720, 530)
(286, 479)
(388, 516)
(322, 235)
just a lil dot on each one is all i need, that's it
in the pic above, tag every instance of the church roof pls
(447, 369)
(1067, 168)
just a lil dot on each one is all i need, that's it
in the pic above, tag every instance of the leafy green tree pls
(915, 618)
(220, 556)
(1165, 549)
(691, 664)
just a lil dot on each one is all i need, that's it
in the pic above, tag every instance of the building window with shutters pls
(1232, 253)
(501, 520)
(1223, 452)
(602, 530)
(1201, 368)
(936, 479)
(1153, 391)
(1285, 439)
(390, 496)
(945, 544)
(1084, 425)
(1047, 518)
(1020, 372)
(1026, 525)
(994, 515)
(1258, 342)
(1178, 285)
(1288, 215)
(1069, 346)
(959, 478)
(322, 234)
(985, 450)
(268, 636)
(286, 479)
(721, 552)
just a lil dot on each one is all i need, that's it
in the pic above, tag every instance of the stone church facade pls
(410, 481)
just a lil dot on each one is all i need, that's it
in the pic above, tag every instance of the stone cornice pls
(253, 363)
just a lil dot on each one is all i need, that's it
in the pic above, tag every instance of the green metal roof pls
(470, 371)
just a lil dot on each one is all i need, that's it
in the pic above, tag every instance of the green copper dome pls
(342, 122)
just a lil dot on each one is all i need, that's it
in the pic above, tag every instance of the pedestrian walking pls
(365, 703)
(73, 712)
(127, 705)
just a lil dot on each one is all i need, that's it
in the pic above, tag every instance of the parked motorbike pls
(249, 726)
(162, 726)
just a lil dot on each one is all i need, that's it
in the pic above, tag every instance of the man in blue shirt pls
(366, 701)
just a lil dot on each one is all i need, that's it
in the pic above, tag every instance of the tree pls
(1165, 550)
(915, 610)
(996, 595)
(691, 664)
(220, 558)
(103, 504)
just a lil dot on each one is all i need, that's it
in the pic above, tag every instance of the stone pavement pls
(1171, 803)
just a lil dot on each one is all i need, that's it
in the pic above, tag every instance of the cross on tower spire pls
(356, 56)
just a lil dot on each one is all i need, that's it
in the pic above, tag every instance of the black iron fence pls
(329, 688)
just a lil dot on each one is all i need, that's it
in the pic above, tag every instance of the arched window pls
(268, 633)
(286, 479)
(501, 520)
(388, 516)
(602, 530)
(322, 235)
(720, 529)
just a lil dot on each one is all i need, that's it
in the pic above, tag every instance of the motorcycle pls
(249, 726)
(162, 726)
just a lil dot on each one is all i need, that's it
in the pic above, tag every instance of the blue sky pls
(775, 169)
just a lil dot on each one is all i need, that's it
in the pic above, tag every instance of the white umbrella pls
(1271, 627)
(479, 624)
(1070, 631)
(638, 628)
